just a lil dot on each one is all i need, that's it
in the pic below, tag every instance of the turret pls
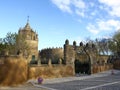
(81, 43)
(74, 43)
(67, 42)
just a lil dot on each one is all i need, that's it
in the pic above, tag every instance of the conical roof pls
(27, 26)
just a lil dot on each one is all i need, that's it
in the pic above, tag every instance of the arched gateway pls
(80, 57)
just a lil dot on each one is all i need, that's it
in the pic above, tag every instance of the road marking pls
(100, 85)
(40, 86)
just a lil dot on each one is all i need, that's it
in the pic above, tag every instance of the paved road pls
(110, 82)
(27, 86)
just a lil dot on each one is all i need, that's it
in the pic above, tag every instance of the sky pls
(58, 20)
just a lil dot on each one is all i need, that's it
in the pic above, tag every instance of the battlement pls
(53, 48)
(80, 44)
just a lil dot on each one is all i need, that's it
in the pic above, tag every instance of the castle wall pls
(51, 53)
(46, 71)
(116, 64)
(13, 70)
(100, 68)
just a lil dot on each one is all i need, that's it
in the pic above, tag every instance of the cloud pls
(108, 25)
(110, 2)
(71, 6)
(113, 7)
(63, 5)
(103, 26)
(78, 3)
(91, 28)
(80, 13)
(83, 8)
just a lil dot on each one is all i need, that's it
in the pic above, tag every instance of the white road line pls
(40, 86)
(100, 85)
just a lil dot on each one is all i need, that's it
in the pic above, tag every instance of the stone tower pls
(69, 55)
(31, 38)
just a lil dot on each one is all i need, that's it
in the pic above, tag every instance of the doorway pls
(81, 67)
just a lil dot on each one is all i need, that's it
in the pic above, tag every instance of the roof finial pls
(27, 26)
(27, 19)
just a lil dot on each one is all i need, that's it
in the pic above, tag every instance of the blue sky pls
(58, 20)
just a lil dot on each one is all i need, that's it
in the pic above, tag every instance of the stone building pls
(31, 38)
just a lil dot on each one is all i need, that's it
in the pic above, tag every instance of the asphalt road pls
(111, 82)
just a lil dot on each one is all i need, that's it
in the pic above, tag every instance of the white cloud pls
(70, 6)
(79, 7)
(113, 5)
(110, 2)
(80, 12)
(115, 11)
(93, 13)
(102, 26)
(91, 28)
(63, 5)
(78, 3)
(108, 25)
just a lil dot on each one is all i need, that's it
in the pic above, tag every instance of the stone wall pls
(53, 71)
(116, 64)
(13, 70)
(51, 53)
(100, 68)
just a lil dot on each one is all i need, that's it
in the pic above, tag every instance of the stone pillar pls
(39, 62)
(50, 62)
(60, 61)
